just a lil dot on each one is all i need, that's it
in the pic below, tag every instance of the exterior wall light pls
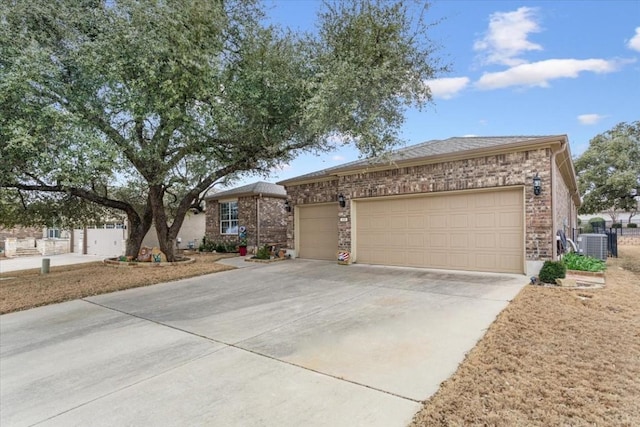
(537, 185)
(342, 201)
(287, 206)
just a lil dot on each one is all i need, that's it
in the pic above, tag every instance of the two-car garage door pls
(481, 231)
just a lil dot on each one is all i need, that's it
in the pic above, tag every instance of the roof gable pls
(259, 188)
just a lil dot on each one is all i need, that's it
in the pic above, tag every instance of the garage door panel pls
(485, 241)
(417, 241)
(506, 260)
(470, 231)
(400, 223)
(510, 240)
(510, 219)
(416, 222)
(510, 199)
(459, 221)
(488, 260)
(437, 221)
(379, 222)
(486, 220)
(488, 201)
(318, 231)
(437, 240)
(458, 202)
(459, 240)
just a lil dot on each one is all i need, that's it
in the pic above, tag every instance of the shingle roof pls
(428, 149)
(257, 188)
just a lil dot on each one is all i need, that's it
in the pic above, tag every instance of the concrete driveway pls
(29, 262)
(286, 344)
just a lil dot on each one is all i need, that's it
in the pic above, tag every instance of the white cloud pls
(447, 87)
(634, 43)
(590, 119)
(540, 73)
(337, 158)
(469, 135)
(507, 35)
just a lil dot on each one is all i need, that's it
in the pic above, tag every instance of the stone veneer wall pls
(273, 226)
(493, 171)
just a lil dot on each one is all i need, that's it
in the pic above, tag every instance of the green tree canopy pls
(140, 106)
(609, 171)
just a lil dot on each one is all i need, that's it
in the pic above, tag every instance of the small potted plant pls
(242, 246)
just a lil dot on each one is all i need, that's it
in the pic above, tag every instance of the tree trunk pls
(166, 238)
(136, 236)
(138, 228)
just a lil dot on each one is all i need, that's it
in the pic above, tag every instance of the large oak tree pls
(140, 106)
(609, 171)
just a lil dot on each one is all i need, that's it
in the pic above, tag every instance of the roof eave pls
(223, 196)
(416, 161)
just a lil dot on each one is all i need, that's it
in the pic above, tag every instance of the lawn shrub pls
(596, 219)
(574, 261)
(616, 225)
(586, 228)
(552, 270)
(263, 253)
(632, 225)
(207, 245)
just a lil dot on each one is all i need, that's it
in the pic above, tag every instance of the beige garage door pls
(480, 231)
(318, 231)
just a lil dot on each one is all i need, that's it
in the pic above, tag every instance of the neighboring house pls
(108, 239)
(24, 241)
(259, 207)
(460, 203)
(189, 236)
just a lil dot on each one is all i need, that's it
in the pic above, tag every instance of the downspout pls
(258, 221)
(554, 246)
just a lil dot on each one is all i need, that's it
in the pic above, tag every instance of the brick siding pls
(273, 221)
(513, 169)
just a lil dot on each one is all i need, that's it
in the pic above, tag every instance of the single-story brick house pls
(259, 207)
(464, 203)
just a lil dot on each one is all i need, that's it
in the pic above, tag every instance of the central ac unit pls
(594, 245)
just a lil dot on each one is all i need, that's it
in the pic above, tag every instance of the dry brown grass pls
(28, 288)
(554, 357)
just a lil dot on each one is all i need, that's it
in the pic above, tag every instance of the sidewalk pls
(27, 263)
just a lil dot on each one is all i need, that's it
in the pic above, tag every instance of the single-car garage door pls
(318, 231)
(480, 231)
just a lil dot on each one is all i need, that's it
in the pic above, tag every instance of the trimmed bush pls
(207, 245)
(596, 219)
(263, 253)
(552, 270)
(586, 228)
(632, 225)
(616, 225)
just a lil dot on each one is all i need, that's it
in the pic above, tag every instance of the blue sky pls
(518, 68)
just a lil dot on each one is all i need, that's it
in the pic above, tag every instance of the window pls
(228, 217)
(53, 233)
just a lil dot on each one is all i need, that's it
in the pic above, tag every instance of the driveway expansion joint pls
(238, 347)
